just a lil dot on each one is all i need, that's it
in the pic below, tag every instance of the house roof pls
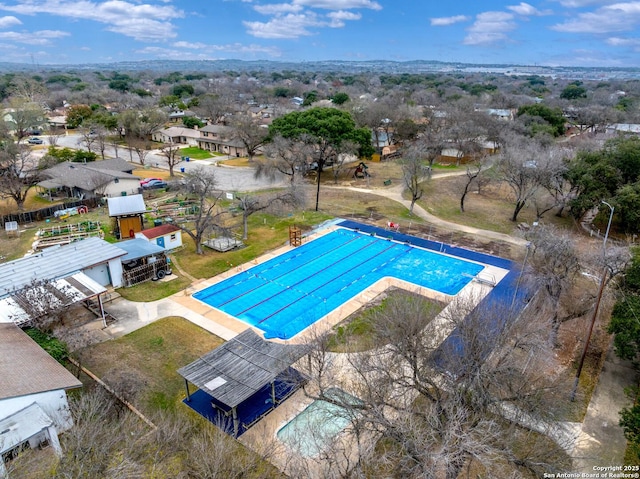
(87, 176)
(126, 205)
(55, 262)
(217, 129)
(158, 231)
(239, 368)
(174, 131)
(26, 368)
(138, 248)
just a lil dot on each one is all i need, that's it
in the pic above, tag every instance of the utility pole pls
(597, 306)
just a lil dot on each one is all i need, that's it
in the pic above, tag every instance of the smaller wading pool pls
(318, 424)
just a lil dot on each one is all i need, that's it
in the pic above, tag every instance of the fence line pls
(43, 213)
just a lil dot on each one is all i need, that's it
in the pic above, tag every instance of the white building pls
(166, 236)
(33, 395)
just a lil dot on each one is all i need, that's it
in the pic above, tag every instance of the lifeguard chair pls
(295, 236)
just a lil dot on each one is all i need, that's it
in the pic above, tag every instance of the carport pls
(242, 380)
(43, 297)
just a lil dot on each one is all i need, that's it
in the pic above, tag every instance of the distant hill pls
(372, 66)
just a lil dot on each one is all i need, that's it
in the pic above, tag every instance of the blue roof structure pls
(139, 248)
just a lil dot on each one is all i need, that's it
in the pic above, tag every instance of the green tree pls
(574, 91)
(310, 98)
(551, 116)
(77, 114)
(192, 121)
(182, 90)
(340, 98)
(329, 130)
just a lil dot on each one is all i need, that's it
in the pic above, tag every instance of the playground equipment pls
(361, 171)
(66, 213)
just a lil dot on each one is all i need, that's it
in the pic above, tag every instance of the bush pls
(52, 345)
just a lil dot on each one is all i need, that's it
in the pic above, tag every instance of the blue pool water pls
(317, 425)
(290, 292)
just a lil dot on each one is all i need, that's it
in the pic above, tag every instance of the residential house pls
(33, 395)
(112, 177)
(177, 135)
(221, 139)
(167, 236)
(128, 212)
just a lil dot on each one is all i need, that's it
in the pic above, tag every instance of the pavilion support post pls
(235, 421)
(186, 385)
(104, 318)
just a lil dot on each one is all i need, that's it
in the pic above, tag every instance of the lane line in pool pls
(332, 280)
(258, 275)
(303, 280)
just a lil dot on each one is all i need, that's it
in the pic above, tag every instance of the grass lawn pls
(195, 153)
(142, 365)
(154, 290)
(490, 210)
(357, 332)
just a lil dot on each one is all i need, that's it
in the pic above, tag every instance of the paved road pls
(232, 179)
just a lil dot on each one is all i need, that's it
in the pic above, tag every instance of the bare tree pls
(249, 204)
(171, 153)
(286, 157)
(249, 132)
(200, 184)
(414, 172)
(18, 172)
(440, 407)
(524, 164)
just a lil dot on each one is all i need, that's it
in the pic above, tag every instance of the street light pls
(597, 307)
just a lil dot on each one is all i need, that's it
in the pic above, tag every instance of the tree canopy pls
(611, 173)
(329, 130)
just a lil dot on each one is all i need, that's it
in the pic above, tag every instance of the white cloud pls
(139, 21)
(277, 8)
(608, 19)
(445, 21)
(527, 10)
(338, 4)
(183, 44)
(583, 3)
(489, 28)
(41, 37)
(285, 26)
(9, 21)
(338, 18)
(624, 42)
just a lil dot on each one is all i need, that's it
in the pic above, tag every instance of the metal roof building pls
(55, 262)
(126, 205)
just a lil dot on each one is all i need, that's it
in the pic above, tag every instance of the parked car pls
(35, 141)
(152, 184)
(147, 180)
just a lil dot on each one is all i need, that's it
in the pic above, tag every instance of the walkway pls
(395, 193)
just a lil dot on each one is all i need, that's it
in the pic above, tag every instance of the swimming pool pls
(317, 425)
(288, 293)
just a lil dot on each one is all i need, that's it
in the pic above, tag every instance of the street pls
(228, 178)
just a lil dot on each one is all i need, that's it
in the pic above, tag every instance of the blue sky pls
(548, 32)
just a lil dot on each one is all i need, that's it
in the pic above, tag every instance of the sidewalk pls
(601, 441)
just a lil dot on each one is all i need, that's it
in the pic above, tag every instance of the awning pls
(47, 296)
